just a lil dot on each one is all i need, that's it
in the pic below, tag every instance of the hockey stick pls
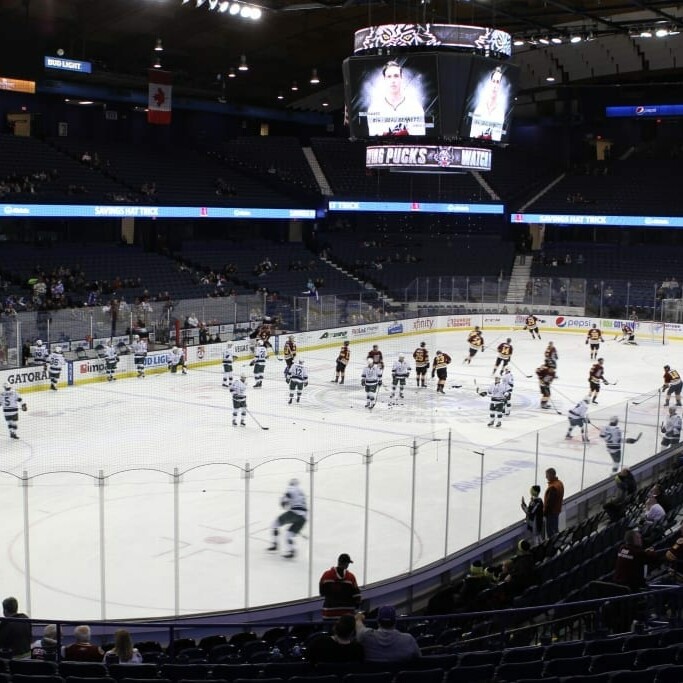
(634, 439)
(520, 369)
(552, 403)
(647, 398)
(251, 415)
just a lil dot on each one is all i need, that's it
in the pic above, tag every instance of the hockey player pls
(594, 337)
(546, 376)
(550, 353)
(238, 389)
(399, 375)
(342, 361)
(228, 360)
(263, 333)
(111, 359)
(294, 517)
(289, 351)
(55, 363)
(476, 341)
(440, 369)
(10, 407)
(377, 358)
(258, 362)
(297, 377)
(672, 385)
(139, 349)
(612, 435)
(531, 324)
(596, 376)
(508, 380)
(504, 355)
(370, 379)
(40, 352)
(577, 418)
(671, 429)
(498, 395)
(628, 335)
(421, 357)
(176, 359)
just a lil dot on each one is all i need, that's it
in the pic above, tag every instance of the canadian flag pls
(159, 102)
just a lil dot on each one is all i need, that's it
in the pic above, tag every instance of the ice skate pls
(490, 424)
(594, 401)
(290, 401)
(341, 381)
(13, 436)
(499, 423)
(298, 398)
(234, 422)
(272, 547)
(289, 554)
(243, 423)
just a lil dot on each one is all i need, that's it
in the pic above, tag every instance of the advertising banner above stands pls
(124, 211)
(581, 219)
(415, 207)
(63, 64)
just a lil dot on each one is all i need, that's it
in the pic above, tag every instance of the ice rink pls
(102, 531)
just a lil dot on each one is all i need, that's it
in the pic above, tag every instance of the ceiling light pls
(325, 103)
(295, 87)
(550, 78)
(575, 39)
(157, 62)
(224, 6)
(231, 72)
(245, 12)
(85, 102)
(590, 37)
(256, 13)
(314, 77)
(280, 96)
(159, 47)
(518, 42)
(674, 31)
(243, 64)
(556, 40)
(646, 33)
(199, 3)
(234, 9)
(662, 32)
(544, 41)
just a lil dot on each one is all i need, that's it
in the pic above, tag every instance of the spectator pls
(476, 581)
(339, 647)
(385, 643)
(15, 636)
(123, 651)
(534, 514)
(661, 497)
(632, 558)
(339, 588)
(626, 483)
(82, 650)
(552, 502)
(45, 648)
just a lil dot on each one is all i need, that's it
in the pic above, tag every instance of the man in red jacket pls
(339, 588)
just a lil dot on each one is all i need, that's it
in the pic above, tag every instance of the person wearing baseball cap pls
(385, 643)
(339, 588)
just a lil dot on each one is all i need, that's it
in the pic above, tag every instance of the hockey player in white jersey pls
(508, 381)
(399, 375)
(498, 395)
(176, 360)
(258, 362)
(111, 360)
(671, 429)
(139, 349)
(294, 517)
(297, 378)
(228, 360)
(612, 435)
(238, 389)
(40, 352)
(370, 379)
(577, 417)
(55, 363)
(10, 407)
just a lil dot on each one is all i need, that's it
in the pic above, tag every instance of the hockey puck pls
(203, 490)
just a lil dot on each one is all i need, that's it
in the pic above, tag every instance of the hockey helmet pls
(508, 341)
(136, 337)
(291, 337)
(58, 349)
(259, 342)
(438, 352)
(299, 361)
(375, 347)
(614, 420)
(401, 356)
(293, 481)
(6, 386)
(267, 319)
(346, 342)
(243, 376)
(667, 367)
(39, 342)
(370, 362)
(477, 328)
(672, 411)
(423, 344)
(175, 349)
(601, 360)
(496, 379)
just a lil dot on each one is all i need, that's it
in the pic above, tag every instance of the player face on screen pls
(393, 82)
(490, 106)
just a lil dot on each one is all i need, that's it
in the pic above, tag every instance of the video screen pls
(489, 100)
(392, 96)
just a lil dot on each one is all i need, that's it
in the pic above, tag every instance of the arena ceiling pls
(291, 38)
